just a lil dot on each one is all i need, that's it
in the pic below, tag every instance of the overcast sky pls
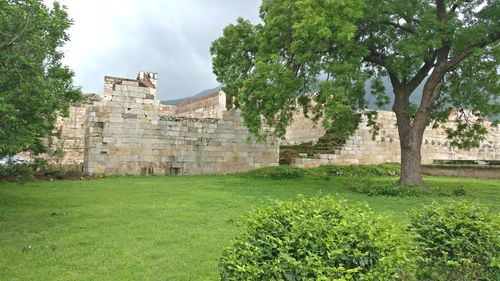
(170, 37)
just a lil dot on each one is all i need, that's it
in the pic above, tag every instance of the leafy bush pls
(457, 241)
(315, 239)
(17, 172)
(61, 172)
(448, 191)
(40, 164)
(373, 188)
(459, 191)
(386, 189)
(357, 170)
(277, 173)
(324, 172)
(40, 168)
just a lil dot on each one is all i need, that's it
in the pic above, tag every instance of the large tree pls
(35, 88)
(335, 47)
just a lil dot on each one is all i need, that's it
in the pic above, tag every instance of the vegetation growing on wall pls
(326, 144)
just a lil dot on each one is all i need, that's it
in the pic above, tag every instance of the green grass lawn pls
(157, 228)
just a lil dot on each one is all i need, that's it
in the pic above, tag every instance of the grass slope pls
(157, 228)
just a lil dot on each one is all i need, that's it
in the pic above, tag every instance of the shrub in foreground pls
(457, 241)
(315, 239)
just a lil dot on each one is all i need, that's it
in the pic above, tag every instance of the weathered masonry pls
(361, 148)
(129, 132)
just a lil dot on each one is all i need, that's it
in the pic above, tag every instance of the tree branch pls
(440, 10)
(443, 52)
(455, 60)
(422, 73)
(19, 34)
(376, 58)
(454, 7)
(399, 26)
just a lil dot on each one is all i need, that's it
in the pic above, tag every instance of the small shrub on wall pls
(457, 241)
(315, 239)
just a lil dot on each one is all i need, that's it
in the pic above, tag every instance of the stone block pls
(130, 83)
(129, 115)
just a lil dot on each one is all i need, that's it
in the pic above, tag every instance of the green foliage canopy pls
(335, 47)
(35, 88)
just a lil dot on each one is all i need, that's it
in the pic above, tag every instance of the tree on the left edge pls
(35, 87)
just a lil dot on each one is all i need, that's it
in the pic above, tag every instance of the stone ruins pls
(128, 131)
(361, 148)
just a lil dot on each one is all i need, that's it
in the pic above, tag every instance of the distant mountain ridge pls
(371, 100)
(200, 94)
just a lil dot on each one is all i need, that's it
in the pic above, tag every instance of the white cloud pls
(121, 38)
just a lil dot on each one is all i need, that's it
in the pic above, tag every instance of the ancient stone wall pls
(127, 135)
(168, 109)
(209, 106)
(362, 149)
(130, 132)
(472, 171)
(71, 130)
(302, 130)
(68, 136)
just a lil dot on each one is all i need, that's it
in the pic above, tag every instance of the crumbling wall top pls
(148, 79)
(144, 79)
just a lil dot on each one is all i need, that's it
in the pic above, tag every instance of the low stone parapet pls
(471, 171)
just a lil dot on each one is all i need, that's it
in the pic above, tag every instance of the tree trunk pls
(411, 170)
(410, 143)
(411, 133)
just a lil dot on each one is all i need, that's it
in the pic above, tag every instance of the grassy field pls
(158, 228)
